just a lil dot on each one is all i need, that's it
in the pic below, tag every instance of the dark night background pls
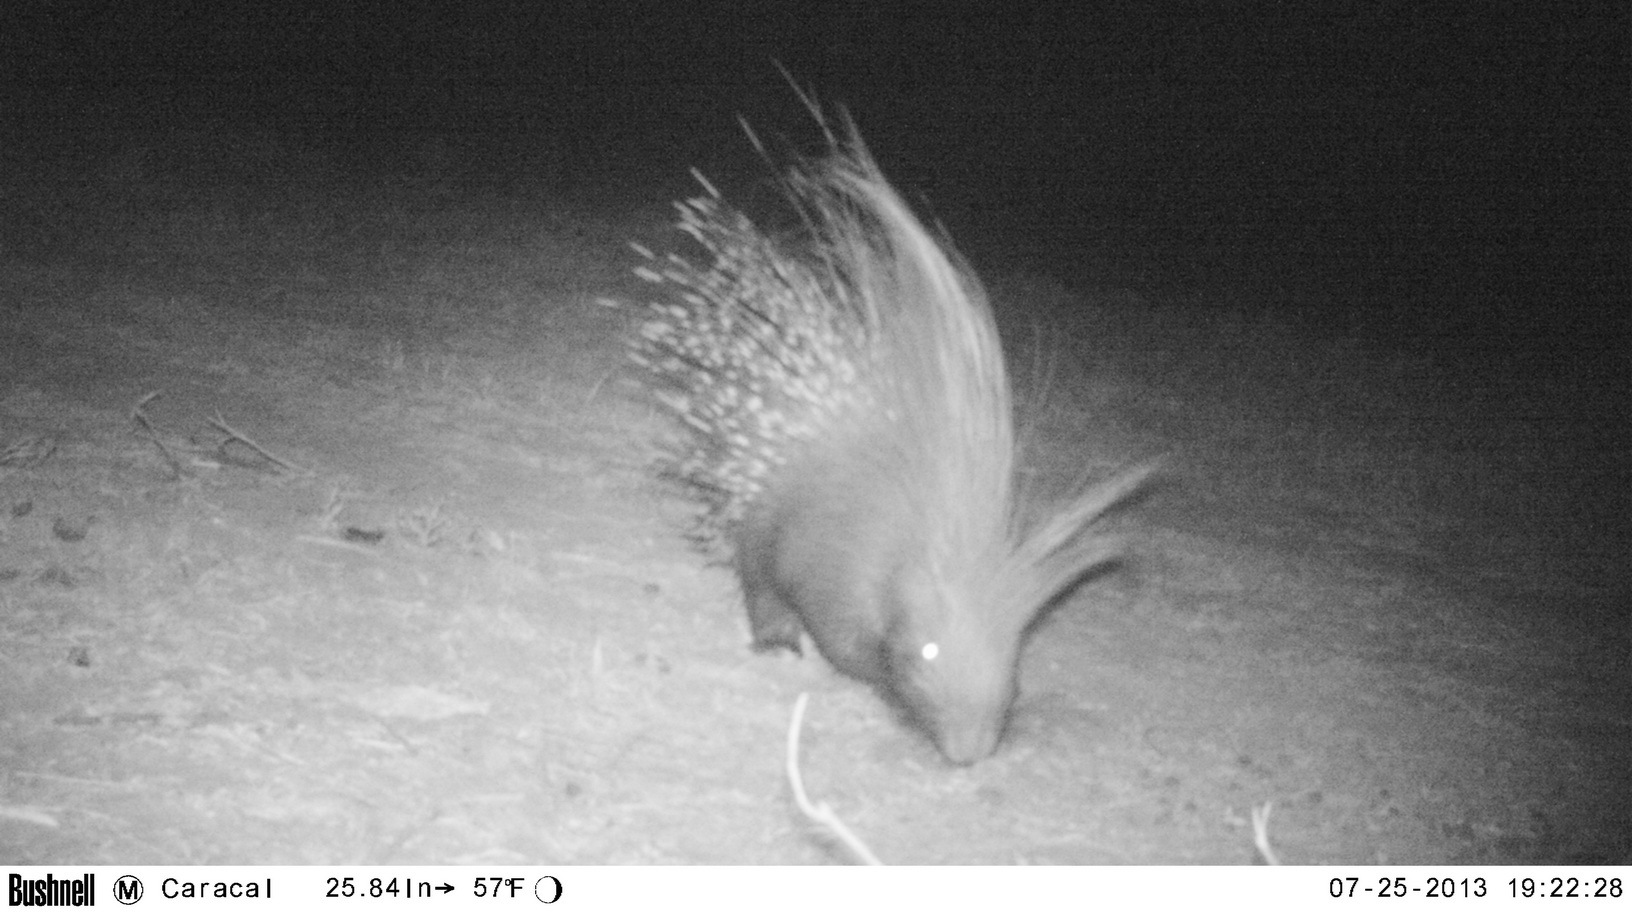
(1461, 165)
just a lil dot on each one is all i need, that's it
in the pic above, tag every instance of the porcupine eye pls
(930, 651)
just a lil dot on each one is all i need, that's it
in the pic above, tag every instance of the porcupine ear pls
(1051, 552)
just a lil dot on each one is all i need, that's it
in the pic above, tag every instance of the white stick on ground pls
(1260, 832)
(221, 424)
(139, 415)
(820, 813)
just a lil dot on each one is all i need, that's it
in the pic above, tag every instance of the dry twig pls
(1260, 832)
(234, 435)
(820, 813)
(25, 453)
(139, 415)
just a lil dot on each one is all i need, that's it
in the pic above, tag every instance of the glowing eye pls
(930, 651)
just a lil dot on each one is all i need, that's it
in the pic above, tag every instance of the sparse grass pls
(424, 527)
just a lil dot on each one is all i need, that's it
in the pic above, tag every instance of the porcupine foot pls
(772, 617)
(774, 624)
(817, 557)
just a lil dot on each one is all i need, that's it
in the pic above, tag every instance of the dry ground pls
(1381, 587)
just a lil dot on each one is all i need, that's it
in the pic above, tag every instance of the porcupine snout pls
(971, 725)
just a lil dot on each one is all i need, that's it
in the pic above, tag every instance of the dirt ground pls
(326, 536)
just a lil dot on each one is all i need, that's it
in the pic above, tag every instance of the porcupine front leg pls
(772, 620)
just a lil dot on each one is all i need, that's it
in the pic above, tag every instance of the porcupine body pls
(852, 445)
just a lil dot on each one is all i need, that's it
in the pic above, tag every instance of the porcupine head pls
(955, 626)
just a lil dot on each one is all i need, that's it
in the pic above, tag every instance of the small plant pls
(425, 527)
(25, 453)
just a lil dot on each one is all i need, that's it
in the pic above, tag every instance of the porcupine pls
(853, 447)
